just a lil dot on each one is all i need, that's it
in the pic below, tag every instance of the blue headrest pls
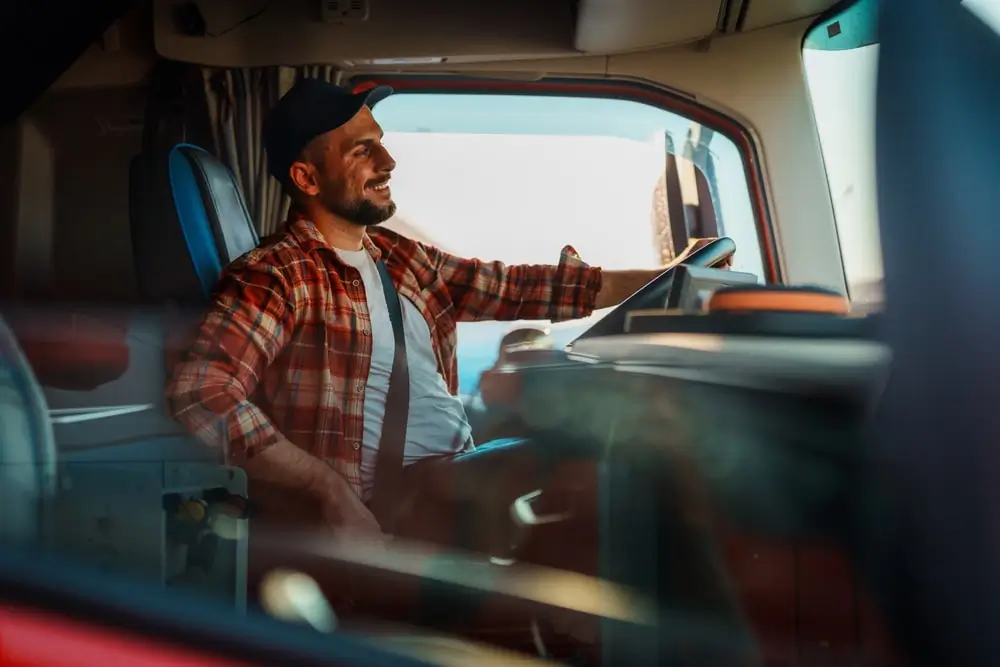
(27, 445)
(188, 221)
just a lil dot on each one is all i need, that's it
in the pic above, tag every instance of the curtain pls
(237, 100)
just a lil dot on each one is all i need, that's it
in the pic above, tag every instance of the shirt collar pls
(310, 238)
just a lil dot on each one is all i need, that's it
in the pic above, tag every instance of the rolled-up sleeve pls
(248, 324)
(484, 290)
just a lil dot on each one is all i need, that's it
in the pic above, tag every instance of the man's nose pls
(385, 161)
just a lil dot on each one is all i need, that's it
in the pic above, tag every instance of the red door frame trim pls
(31, 638)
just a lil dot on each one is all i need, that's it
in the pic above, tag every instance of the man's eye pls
(364, 151)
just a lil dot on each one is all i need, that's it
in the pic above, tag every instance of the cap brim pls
(375, 95)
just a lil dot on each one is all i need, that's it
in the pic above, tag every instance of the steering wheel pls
(654, 293)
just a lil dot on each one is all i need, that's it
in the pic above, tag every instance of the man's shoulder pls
(280, 251)
(399, 247)
(387, 239)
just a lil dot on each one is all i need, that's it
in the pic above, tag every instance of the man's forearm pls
(286, 466)
(616, 286)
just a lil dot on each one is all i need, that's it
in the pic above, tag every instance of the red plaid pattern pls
(285, 347)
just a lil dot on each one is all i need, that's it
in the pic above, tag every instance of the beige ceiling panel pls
(615, 26)
(770, 12)
(289, 32)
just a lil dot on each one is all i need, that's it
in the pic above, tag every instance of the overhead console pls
(397, 34)
(385, 33)
(609, 26)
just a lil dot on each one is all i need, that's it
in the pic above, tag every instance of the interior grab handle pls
(523, 512)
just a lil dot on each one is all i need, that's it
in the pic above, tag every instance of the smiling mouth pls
(380, 187)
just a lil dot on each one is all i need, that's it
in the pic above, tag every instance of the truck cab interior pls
(751, 466)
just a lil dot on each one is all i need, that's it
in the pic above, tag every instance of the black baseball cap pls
(310, 108)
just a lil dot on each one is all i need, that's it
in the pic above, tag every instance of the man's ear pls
(302, 177)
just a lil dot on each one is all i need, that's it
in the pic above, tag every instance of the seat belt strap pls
(389, 460)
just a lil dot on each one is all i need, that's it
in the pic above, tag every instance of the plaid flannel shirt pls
(285, 348)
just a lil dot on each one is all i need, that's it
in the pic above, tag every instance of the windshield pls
(517, 178)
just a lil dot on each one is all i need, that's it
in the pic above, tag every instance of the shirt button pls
(355, 283)
(357, 445)
(361, 387)
(365, 332)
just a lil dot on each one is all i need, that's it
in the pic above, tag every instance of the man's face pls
(347, 170)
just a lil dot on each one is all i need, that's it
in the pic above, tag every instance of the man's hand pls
(294, 472)
(618, 285)
(697, 244)
(344, 512)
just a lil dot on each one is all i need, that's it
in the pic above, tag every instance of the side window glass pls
(840, 57)
(841, 78)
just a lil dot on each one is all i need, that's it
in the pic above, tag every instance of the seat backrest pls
(188, 221)
(27, 445)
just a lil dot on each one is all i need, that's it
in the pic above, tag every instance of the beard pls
(358, 211)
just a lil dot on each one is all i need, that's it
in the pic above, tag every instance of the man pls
(293, 360)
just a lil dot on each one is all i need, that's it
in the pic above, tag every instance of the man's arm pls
(619, 285)
(287, 468)
(249, 323)
(495, 291)
(569, 290)
(246, 327)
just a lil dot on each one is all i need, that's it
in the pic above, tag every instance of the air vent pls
(732, 16)
(343, 11)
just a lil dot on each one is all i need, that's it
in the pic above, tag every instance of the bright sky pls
(521, 198)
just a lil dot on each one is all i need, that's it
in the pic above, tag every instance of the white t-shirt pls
(436, 422)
